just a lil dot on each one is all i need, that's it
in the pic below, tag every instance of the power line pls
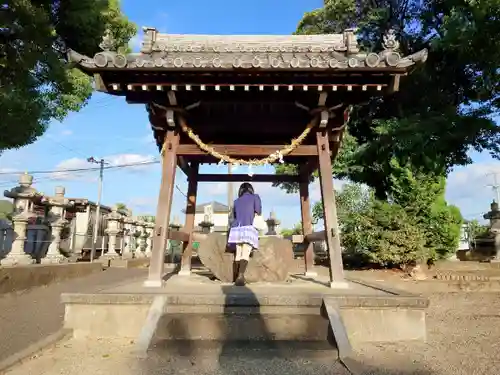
(180, 191)
(64, 146)
(82, 169)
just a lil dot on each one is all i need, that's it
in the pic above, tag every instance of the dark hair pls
(245, 188)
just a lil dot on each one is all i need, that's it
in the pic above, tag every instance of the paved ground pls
(30, 316)
(463, 339)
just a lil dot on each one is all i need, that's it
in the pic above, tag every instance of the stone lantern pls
(113, 229)
(58, 205)
(136, 233)
(272, 223)
(494, 217)
(207, 224)
(149, 229)
(174, 248)
(23, 196)
(141, 238)
(175, 224)
(128, 236)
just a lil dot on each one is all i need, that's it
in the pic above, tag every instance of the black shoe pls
(240, 280)
(236, 267)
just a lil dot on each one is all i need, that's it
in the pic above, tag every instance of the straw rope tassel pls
(276, 156)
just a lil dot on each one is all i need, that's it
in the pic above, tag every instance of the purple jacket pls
(245, 208)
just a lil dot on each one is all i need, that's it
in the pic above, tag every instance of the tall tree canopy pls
(443, 110)
(36, 83)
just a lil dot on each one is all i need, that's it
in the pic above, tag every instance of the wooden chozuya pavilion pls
(247, 100)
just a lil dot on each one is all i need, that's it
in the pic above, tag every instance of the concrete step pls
(244, 360)
(246, 348)
(244, 325)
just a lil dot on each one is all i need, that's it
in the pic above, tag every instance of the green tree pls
(476, 230)
(423, 198)
(431, 132)
(148, 218)
(121, 206)
(297, 229)
(37, 84)
(6, 209)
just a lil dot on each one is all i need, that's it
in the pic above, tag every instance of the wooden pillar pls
(169, 163)
(307, 227)
(332, 232)
(187, 250)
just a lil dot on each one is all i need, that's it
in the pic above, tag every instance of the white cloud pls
(142, 205)
(467, 187)
(122, 159)
(80, 169)
(66, 132)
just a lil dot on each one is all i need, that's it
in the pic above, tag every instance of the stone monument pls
(57, 219)
(271, 262)
(23, 196)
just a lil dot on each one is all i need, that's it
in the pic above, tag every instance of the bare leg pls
(236, 263)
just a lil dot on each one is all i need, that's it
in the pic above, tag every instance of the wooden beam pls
(394, 87)
(309, 238)
(246, 150)
(187, 249)
(307, 227)
(169, 161)
(330, 212)
(247, 178)
(178, 235)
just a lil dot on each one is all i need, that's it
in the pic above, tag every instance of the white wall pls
(220, 219)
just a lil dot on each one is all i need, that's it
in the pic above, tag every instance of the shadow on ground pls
(261, 354)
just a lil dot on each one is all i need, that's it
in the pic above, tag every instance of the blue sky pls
(120, 133)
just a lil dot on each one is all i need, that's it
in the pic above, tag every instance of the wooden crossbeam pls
(246, 150)
(247, 178)
(312, 237)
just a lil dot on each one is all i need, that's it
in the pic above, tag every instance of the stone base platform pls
(197, 308)
(129, 263)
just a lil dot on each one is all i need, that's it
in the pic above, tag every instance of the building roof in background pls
(219, 208)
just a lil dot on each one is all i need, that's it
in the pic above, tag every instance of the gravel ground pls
(30, 316)
(463, 339)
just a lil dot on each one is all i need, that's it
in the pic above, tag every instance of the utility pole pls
(98, 205)
(496, 185)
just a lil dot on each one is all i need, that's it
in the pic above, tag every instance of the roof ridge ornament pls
(389, 40)
(351, 41)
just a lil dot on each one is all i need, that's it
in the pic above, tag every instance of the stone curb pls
(22, 355)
